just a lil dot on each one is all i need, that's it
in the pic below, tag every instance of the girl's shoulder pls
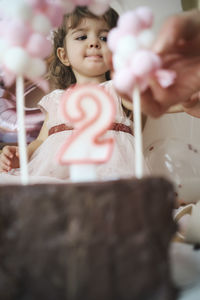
(50, 99)
(109, 87)
(55, 94)
(107, 84)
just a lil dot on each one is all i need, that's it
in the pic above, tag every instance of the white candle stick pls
(138, 133)
(83, 172)
(21, 130)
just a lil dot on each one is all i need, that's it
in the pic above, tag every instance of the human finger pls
(193, 100)
(17, 152)
(192, 106)
(150, 106)
(5, 160)
(176, 30)
(187, 82)
(4, 168)
(9, 151)
(5, 163)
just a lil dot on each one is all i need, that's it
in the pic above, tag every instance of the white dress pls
(43, 165)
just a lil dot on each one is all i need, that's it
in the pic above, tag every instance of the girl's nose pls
(94, 44)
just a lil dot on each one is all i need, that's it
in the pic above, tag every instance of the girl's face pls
(85, 50)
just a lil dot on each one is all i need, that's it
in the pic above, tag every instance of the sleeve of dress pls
(48, 102)
(43, 104)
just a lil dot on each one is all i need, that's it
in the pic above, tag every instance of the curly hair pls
(62, 76)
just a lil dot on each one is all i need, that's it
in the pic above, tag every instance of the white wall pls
(161, 8)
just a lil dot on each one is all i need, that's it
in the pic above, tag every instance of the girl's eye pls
(103, 38)
(81, 38)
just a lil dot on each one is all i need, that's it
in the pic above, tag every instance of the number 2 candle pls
(91, 111)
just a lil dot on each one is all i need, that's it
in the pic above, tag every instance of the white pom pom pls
(17, 60)
(41, 24)
(37, 68)
(128, 46)
(146, 38)
(17, 9)
(3, 49)
(119, 62)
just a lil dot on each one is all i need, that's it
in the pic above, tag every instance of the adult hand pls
(178, 43)
(180, 34)
(157, 100)
(9, 158)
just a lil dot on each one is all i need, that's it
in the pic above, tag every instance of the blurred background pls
(161, 8)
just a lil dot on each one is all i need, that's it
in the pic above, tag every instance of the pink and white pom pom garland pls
(24, 29)
(133, 61)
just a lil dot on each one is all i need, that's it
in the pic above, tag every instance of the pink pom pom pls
(129, 22)
(39, 46)
(36, 68)
(8, 76)
(37, 4)
(16, 33)
(113, 38)
(124, 81)
(145, 62)
(143, 83)
(55, 14)
(41, 23)
(145, 15)
(17, 60)
(165, 77)
(133, 66)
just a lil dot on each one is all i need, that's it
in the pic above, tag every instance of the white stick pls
(138, 133)
(21, 130)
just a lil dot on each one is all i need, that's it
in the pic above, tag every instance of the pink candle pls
(91, 111)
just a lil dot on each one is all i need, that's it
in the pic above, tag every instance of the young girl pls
(80, 53)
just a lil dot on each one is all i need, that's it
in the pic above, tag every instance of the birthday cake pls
(100, 240)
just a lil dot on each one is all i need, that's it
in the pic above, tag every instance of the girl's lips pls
(94, 56)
